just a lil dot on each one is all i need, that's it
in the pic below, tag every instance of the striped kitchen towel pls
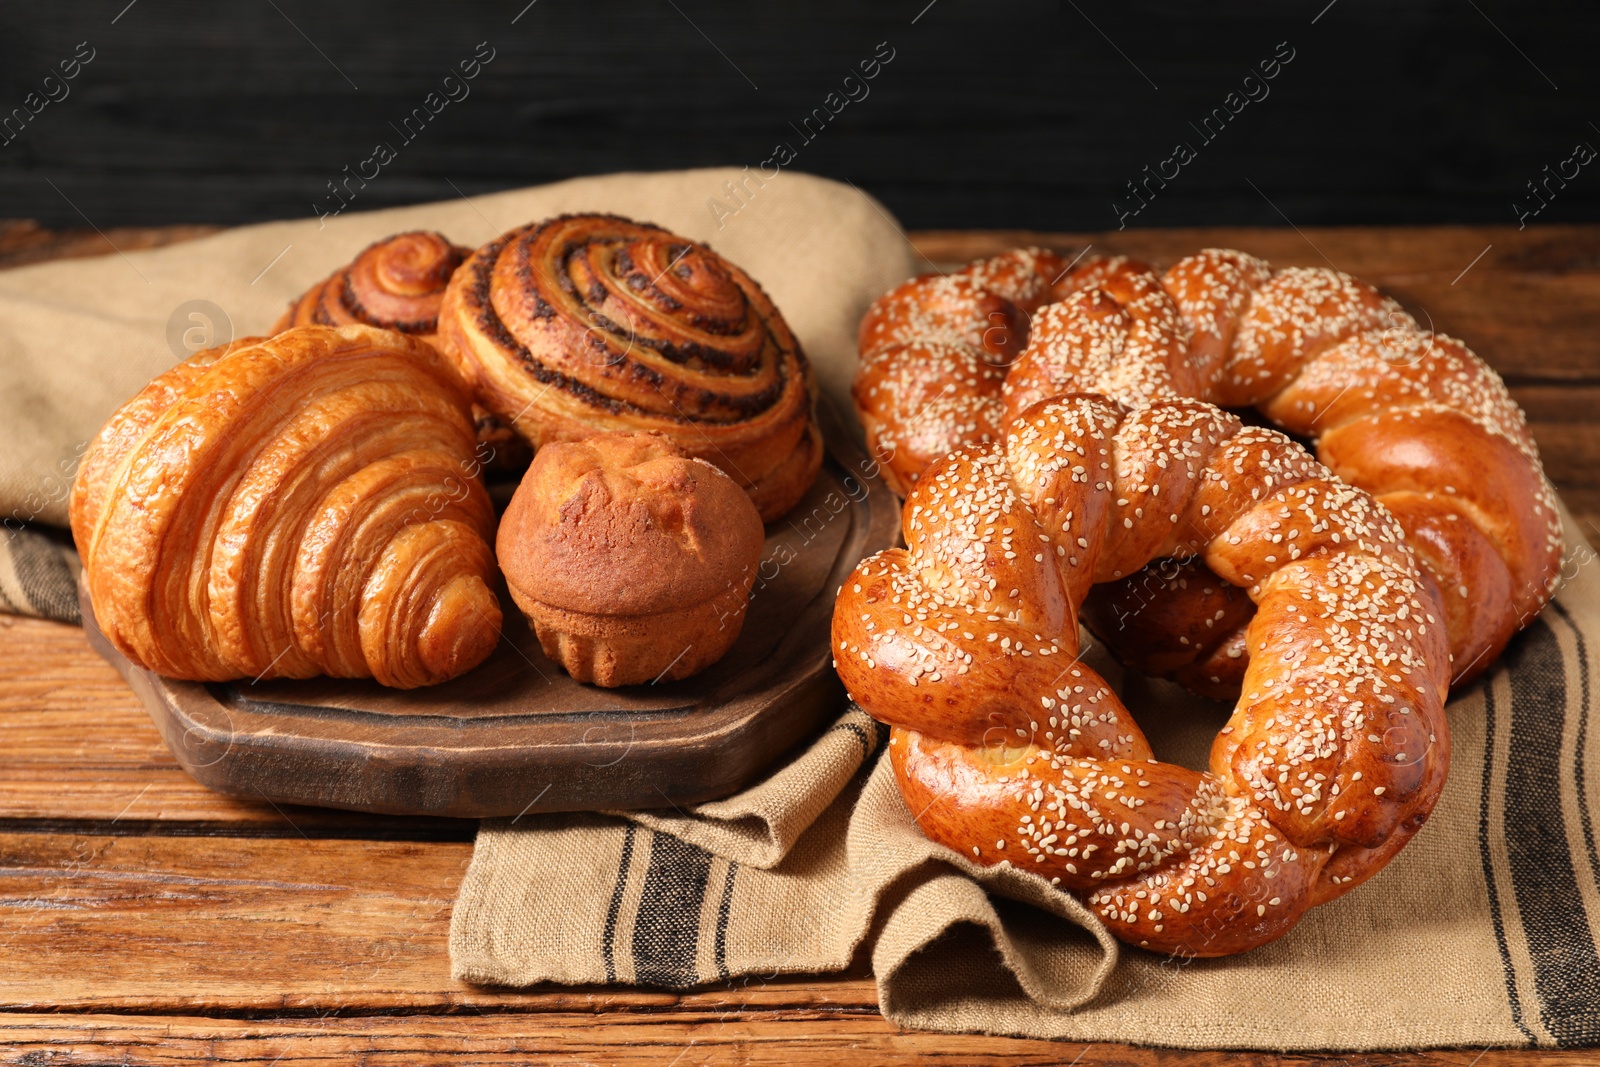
(38, 573)
(1484, 931)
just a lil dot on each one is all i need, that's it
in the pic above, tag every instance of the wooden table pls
(146, 920)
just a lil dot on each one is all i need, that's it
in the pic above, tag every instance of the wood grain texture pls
(146, 920)
(248, 926)
(609, 1037)
(269, 926)
(307, 950)
(24, 241)
(79, 749)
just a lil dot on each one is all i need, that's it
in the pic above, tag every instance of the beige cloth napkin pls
(1484, 931)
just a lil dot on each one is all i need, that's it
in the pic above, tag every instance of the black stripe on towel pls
(1544, 879)
(868, 731)
(1495, 913)
(666, 934)
(867, 741)
(724, 909)
(1579, 772)
(44, 576)
(608, 944)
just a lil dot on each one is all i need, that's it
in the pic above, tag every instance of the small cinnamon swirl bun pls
(398, 283)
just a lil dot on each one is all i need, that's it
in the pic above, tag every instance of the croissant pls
(308, 504)
(1412, 416)
(592, 323)
(1010, 750)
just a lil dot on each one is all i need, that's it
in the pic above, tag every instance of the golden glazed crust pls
(1410, 415)
(1009, 749)
(594, 323)
(630, 557)
(308, 504)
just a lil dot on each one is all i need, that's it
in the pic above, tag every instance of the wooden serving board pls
(516, 734)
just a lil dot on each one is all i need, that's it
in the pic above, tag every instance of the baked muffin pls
(632, 560)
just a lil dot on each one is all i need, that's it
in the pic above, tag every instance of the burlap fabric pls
(1484, 931)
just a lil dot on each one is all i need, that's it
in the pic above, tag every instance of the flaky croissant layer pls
(309, 504)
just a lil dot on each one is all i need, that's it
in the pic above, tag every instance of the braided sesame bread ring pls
(1412, 416)
(591, 323)
(1008, 749)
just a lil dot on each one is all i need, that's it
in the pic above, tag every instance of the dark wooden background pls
(993, 113)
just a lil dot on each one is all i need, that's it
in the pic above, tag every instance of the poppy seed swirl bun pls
(585, 324)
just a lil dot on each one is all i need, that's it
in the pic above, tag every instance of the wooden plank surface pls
(147, 920)
(23, 241)
(665, 1038)
(241, 925)
(80, 750)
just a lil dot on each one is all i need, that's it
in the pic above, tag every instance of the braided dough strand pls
(1408, 414)
(1009, 749)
